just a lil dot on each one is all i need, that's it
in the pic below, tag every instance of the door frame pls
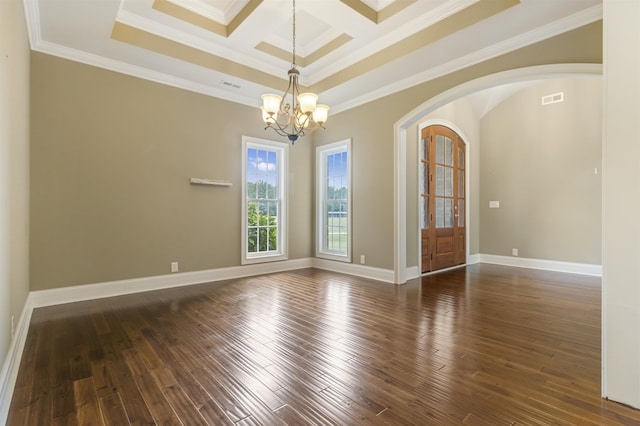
(400, 271)
(465, 139)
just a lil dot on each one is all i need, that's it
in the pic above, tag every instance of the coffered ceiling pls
(348, 51)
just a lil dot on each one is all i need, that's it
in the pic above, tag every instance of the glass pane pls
(448, 181)
(425, 180)
(425, 210)
(440, 180)
(252, 214)
(252, 239)
(439, 149)
(460, 183)
(461, 213)
(262, 239)
(425, 149)
(273, 238)
(439, 212)
(448, 155)
(460, 158)
(448, 213)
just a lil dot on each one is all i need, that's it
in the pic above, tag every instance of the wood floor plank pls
(479, 345)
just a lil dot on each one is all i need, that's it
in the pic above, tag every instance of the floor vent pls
(553, 99)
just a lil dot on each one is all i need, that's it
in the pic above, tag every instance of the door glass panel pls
(460, 158)
(448, 182)
(461, 213)
(439, 149)
(460, 183)
(425, 217)
(448, 213)
(439, 212)
(425, 181)
(448, 155)
(440, 180)
(425, 149)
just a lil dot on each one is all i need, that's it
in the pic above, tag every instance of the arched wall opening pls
(401, 272)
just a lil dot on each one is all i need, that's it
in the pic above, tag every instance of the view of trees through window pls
(263, 201)
(337, 222)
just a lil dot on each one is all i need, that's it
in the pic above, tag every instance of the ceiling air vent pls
(553, 99)
(229, 84)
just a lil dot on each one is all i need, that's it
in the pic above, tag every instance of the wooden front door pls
(443, 198)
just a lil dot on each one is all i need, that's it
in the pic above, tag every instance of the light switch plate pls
(494, 204)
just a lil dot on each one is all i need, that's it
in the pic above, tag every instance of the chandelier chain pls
(294, 35)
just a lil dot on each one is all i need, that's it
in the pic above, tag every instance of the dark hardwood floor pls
(483, 344)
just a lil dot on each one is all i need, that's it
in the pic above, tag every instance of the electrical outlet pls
(13, 326)
(362, 259)
(174, 266)
(514, 252)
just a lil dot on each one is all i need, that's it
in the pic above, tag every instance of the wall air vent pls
(553, 99)
(229, 84)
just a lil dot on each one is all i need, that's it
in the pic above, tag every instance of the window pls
(334, 201)
(264, 200)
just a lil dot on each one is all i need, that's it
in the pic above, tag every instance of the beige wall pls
(111, 158)
(112, 155)
(14, 167)
(371, 127)
(539, 162)
(621, 203)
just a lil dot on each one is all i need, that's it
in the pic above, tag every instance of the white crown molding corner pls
(9, 372)
(378, 274)
(548, 265)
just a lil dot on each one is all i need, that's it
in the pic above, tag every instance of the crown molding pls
(550, 30)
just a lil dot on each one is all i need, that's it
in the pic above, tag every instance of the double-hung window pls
(264, 229)
(333, 189)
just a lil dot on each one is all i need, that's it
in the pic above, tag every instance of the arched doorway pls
(410, 119)
(442, 198)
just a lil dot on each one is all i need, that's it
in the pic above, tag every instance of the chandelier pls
(293, 114)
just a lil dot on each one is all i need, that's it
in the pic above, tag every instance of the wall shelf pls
(210, 182)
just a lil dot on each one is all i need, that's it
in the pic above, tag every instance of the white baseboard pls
(79, 293)
(363, 271)
(549, 265)
(9, 372)
(412, 272)
(473, 259)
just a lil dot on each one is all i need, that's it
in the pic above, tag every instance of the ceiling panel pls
(348, 51)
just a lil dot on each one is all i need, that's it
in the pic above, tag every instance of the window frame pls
(322, 152)
(282, 160)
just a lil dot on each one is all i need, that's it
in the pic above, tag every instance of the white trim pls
(138, 285)
(322, 152)
(9, 372)
(550, 30)
(413, 117)
(282, 163)
(412, 272)
(378, 274)
(547, 265)
(472, 259)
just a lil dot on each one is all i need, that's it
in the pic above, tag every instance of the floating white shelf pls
(212, 182)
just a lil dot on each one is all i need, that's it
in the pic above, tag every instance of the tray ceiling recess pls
(348, 51)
